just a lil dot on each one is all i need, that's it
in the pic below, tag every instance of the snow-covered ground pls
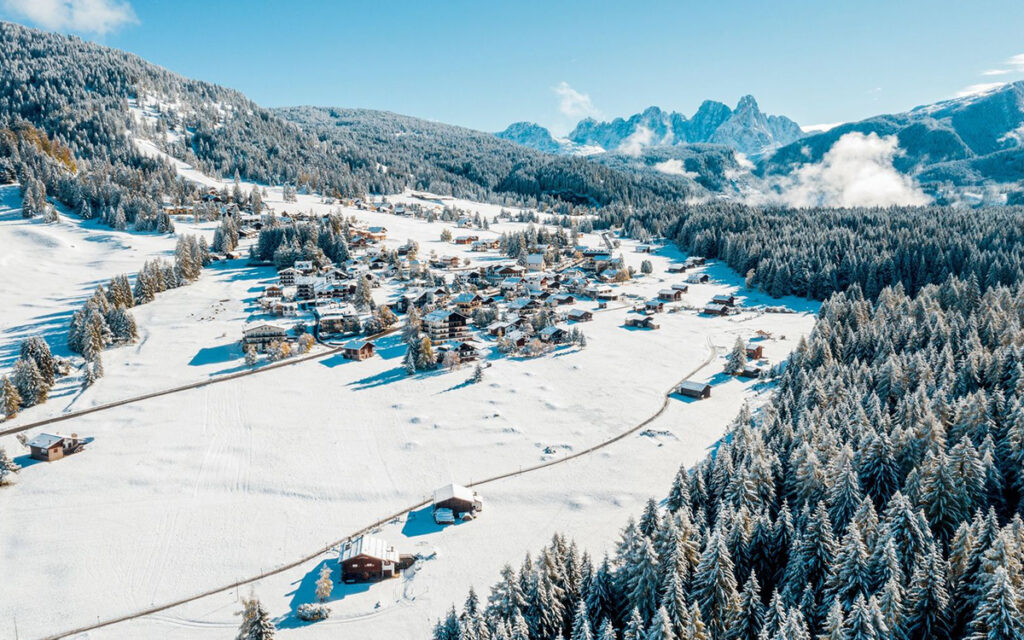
(189, 491)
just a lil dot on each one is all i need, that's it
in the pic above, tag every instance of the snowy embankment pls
(185, 492)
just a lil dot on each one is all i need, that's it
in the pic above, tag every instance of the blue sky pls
(486, 64)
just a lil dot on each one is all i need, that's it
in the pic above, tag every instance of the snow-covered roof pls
(548, 331)
(667, 292)
(439, 315)
(577, 313)
(693, 386)
(466, 296)
(357, 344)
(45, 440)
(371, 546)
(453, 491)
(535, 258)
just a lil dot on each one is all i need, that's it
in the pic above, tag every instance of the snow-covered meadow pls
(188, 491)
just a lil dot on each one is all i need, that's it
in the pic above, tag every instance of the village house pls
(681, 287)
(501, 327)
(516, 337)
(305, 267)
(562, 299)
(601, 292)
(284, 308)
(698, 278)
(48, 447)
(580, 315)
(670, 295)
(535, 262)
(466, 350)
(273, 291)
(725, 299)
(444, 324)
(260, 336)
(466, 239)
(713, 309)
(369, 558)
(646, 322)
(523, 305)
(334, 319)
(694, 389)
(552, 335)
(755, 351)
(357, 350)
(467, 302)
(750, 371)
(643, 248)
(654, 306)
(458, 499)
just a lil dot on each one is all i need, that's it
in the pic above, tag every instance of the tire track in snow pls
(713, 351)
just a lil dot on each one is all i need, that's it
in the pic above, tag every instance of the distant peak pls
(747, 102)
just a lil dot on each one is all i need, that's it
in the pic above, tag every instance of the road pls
(712, 353)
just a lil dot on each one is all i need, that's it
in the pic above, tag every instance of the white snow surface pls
(185, 492)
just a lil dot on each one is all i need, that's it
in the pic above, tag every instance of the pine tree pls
(737, 358)
(714, 586)
(10, 397)
(749, 618)
(660, 627)
(29, 382)
(927, 599)
(256, 623)
(634, 629)
(581, 624)
(324, 584)
(7, 466)
(998, 616)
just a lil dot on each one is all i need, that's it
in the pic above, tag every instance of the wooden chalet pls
(694, 389)
(467, 302)
(580, 315)
(698, 278)
(681, 287)
(287, 276)
(358, 350)
(750, 371)
(712, 309)
(646, 322)
(670, 295)
(755, 351)
(369, 558)
(654, 306)
(49, 447)
(726, 299)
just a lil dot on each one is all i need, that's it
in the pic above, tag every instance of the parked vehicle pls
(444, 516)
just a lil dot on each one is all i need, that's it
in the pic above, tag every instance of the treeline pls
(878, 496)
(816, 252)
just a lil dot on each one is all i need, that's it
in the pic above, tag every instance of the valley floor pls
(181, 493)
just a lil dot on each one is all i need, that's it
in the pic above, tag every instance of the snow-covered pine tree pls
(7, 467)
(10, 398)
(256, 623)
(324, 584)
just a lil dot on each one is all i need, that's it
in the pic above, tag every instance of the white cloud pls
(85, 16)
(1017, 62)
(975, 89)
(634, 144)
(574, 104)
(674, 167)
(819, 128)
(995, 72)
(856, 172)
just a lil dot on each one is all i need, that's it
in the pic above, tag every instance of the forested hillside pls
(879, 494)
(451, 160)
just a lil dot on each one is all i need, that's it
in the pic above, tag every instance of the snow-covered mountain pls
(959, 142)
(744, 129)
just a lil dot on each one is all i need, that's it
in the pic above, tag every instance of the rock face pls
(744, 129)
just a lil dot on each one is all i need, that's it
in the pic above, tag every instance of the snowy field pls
(182, 493)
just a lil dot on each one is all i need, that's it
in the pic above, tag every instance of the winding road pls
(712, 353)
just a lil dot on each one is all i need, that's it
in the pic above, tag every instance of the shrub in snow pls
(311, 612)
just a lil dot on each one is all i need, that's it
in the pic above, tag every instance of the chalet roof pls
(262, 325)
(667, 292)
(550, 331)
(535, 258)
(466, 296)
(723, 296)
(654, 303)
(577, 312)
(45, 440)
(441, 315)
(370, 546)
(453, 490)
(681, 286)
(357, 344)
(697, 387)
(715, 307)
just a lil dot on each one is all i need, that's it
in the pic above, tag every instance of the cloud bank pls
(574, 104)
(674, 167)
(84, 16)
(856, 172)
(634, 144)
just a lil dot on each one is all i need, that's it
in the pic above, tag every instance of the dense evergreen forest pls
(878, 495)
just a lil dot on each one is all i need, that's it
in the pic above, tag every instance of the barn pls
(48, 447)
(457, 498)
(695, 389)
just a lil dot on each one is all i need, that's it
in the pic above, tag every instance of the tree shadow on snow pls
(304, 592)
(214, 355)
